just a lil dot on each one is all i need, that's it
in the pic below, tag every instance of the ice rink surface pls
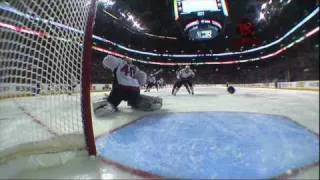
(300, 106)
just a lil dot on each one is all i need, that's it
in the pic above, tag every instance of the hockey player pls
(184, 77)
(151, 81)
(126, 87)
(160, 83)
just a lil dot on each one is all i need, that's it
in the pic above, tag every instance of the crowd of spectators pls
(298, 64)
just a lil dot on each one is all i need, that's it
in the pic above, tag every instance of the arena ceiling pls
(152, 28)
(147, 31)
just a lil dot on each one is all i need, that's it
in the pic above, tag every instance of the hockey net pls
(41, 59)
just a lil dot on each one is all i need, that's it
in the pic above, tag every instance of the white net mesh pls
(40, 74)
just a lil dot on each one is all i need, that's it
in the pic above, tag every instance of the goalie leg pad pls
(103, 108)
(148, 103)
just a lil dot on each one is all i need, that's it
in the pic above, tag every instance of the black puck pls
(231, 89)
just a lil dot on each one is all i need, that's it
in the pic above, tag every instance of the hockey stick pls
(157, 72)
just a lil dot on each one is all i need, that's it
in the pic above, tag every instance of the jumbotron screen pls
(204, 29)
(198, 7)
(190, 6)
(202, 33)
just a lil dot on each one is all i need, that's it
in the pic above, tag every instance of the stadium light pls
(263, 6)
(107, 3)
(261, 16)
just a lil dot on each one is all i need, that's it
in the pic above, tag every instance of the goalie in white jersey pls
(184, 77)
(126, 87)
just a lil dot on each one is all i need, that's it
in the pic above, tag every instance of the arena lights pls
(43, 34)
(267, 9)
(131, 19)
(12, 10)
(30, 17)
(283, 49)
(306, 19)
(22, 30)
(107, 3)
(161, 37)
(312, 32)
(217, 63)
(139, 26)
(261, 16)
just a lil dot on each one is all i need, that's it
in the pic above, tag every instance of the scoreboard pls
(204, 29)
(201, 19)
(198, 7)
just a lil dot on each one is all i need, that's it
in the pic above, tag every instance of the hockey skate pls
(188, 89)
(174, 92)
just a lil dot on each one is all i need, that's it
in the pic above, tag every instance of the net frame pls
(86, 82)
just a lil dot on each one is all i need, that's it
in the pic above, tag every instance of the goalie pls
(126, 87)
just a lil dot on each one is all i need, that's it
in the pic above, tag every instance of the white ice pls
(300, 106)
